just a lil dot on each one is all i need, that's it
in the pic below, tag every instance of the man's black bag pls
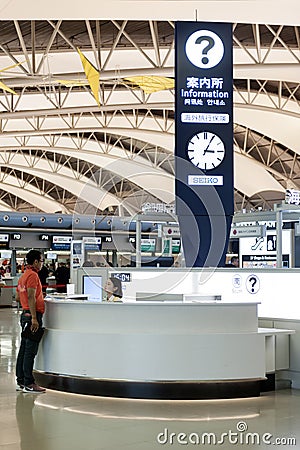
(36, 336)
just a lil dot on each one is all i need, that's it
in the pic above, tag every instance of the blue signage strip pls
(204, 138)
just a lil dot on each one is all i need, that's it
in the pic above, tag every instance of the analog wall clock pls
(206, 150)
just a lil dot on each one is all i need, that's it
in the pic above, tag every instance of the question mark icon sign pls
(253, 281)
(213, 44)
(252, 284)
(205, 50)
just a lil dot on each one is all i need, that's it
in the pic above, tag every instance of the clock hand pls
(209, 151)
(206, 150)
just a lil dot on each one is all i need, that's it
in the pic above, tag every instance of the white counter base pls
(158, 347)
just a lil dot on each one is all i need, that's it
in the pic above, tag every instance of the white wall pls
(277, 290)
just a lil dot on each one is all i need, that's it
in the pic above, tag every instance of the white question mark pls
(202, 60)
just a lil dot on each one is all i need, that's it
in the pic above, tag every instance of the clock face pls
(206, 150)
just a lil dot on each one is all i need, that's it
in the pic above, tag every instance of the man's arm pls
(17, 297)
(31, 302)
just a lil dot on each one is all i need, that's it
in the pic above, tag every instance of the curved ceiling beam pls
(80, 103)
(262, 181)
(96, 152)
(64, 177)
(279, 126)
(73, 119)
(274, 102)
(258, 116)
(276, 71)
(5, 207)
(139, 171)
(33, 198)
(30, 193)
(279, 63)
(160, 139)
(288, 72)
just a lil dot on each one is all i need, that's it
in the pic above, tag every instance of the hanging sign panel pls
(204, 139)
(204, 123)
(4, 241)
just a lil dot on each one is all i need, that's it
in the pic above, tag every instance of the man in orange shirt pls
(29, 294)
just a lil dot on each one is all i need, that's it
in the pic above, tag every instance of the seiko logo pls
(194, 180)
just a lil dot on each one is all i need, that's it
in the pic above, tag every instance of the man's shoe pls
(34, 389)
(19, 387)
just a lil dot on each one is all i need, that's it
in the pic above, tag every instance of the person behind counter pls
(234, 262)
(29, 294)
(62, 276)
(113, 289)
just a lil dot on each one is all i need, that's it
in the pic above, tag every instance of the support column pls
(278, 238)
(138, 232)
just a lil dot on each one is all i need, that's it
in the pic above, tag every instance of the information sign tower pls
(204, 140)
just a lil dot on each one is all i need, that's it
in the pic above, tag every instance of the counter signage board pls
(176, 245)
(170, 230)
(4, 241)
(204, 136)
(61, 242)
(92, 243)
(148, 245)
(248, 231)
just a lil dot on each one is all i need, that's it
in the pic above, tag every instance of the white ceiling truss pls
(60, 151)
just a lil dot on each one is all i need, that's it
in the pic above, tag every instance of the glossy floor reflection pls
(58, 421)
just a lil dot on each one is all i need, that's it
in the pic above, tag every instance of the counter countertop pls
(167, 303)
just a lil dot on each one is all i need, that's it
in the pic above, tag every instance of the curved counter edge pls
(158, 390)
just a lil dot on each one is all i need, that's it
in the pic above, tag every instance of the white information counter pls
(156, 350)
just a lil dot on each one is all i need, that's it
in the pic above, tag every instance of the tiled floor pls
(57, 421)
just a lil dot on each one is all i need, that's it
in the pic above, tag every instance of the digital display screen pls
(51, 255)
(92, 286)
(77, 248)
(6, 254)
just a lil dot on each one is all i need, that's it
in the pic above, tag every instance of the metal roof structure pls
(62, 152)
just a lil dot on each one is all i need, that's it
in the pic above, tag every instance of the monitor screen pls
(153, 261)
(51, 255)
(92, 285)
(6, 254)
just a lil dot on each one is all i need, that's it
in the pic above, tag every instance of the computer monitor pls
(92, 286)
(153, 261)
(51, 255)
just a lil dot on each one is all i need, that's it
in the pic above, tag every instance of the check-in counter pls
(7, 291)
(156, 350)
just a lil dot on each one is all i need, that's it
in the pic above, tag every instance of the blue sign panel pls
(204, 140)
